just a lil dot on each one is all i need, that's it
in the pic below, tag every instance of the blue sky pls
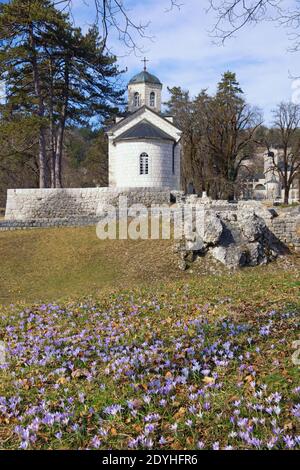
(182, 52)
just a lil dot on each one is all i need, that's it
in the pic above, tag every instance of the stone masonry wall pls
(144, 90)
(31, 208)
(125, 171)
(286, 227)
(8, 225)
(283, 223)
(42, 204)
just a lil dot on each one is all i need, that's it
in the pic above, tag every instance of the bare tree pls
(233, 15)
(229, 126)
(218, 136)
(115, 15)
(229, 143)
(286, 126)
(189, 116)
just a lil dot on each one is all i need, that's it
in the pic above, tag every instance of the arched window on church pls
(144, 164)
(260, 187)
(152, 99)
(136, 100)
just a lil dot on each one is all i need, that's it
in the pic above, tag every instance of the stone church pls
(144, 146)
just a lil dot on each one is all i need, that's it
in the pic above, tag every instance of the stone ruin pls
(246, 233)
(237, 235)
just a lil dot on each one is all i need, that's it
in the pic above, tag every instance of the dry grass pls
(54, 264)
(59, 263)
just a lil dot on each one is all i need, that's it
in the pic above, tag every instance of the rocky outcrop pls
(212, 228)
(236, 238)
(252, 226)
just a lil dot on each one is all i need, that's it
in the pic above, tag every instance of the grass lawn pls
(110, 346)
(50, 264)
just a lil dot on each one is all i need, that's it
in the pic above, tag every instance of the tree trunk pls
(61, 130)
(42, 160)
(231, 179)
(51, 129)
(286, 195)
(58, 155)
(52, 154)
(40, 113)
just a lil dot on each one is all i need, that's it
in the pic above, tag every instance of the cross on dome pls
(145, 63)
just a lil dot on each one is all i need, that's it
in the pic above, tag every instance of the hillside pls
(50, 264)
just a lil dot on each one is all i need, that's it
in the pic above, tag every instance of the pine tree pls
(54, 72)
(229, 87)
(231, 128)
(84, 85)
(22, 26)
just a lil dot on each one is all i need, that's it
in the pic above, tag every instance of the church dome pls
(144, 77)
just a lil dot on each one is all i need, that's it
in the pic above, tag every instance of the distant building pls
(267, 185)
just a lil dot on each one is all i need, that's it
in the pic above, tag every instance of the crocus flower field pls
(150, 370)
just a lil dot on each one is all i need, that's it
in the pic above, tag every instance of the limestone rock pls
(231, 256)
(251, 226)
(182, 265)
(195, 244)
(212, 228)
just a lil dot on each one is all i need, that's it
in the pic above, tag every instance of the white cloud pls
(183, 52)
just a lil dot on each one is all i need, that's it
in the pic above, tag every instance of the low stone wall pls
(286, 227)
(32, 204)
(8, 225)
(284, 223)
(36, 208)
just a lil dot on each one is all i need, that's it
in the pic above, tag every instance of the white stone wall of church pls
(127, 159)
(177, 176)
(112, 163)
(144, 90)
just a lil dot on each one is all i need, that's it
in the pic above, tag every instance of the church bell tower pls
(144, 89)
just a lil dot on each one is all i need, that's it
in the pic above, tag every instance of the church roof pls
(136, 113)
(144, 130)
(145, 77)
(259, 176)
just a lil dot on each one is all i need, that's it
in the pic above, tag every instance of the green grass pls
(80, 352)
(112, 320)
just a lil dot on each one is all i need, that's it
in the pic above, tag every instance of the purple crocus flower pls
(113, 410)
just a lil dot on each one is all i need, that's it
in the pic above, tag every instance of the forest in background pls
(59, 87)
(85, 163)
(62, 88)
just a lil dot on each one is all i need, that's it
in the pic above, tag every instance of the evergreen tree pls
(231, 125)
(229, 88)
(22, 26)
(218, 135)
(85, 86)
(56, 73)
